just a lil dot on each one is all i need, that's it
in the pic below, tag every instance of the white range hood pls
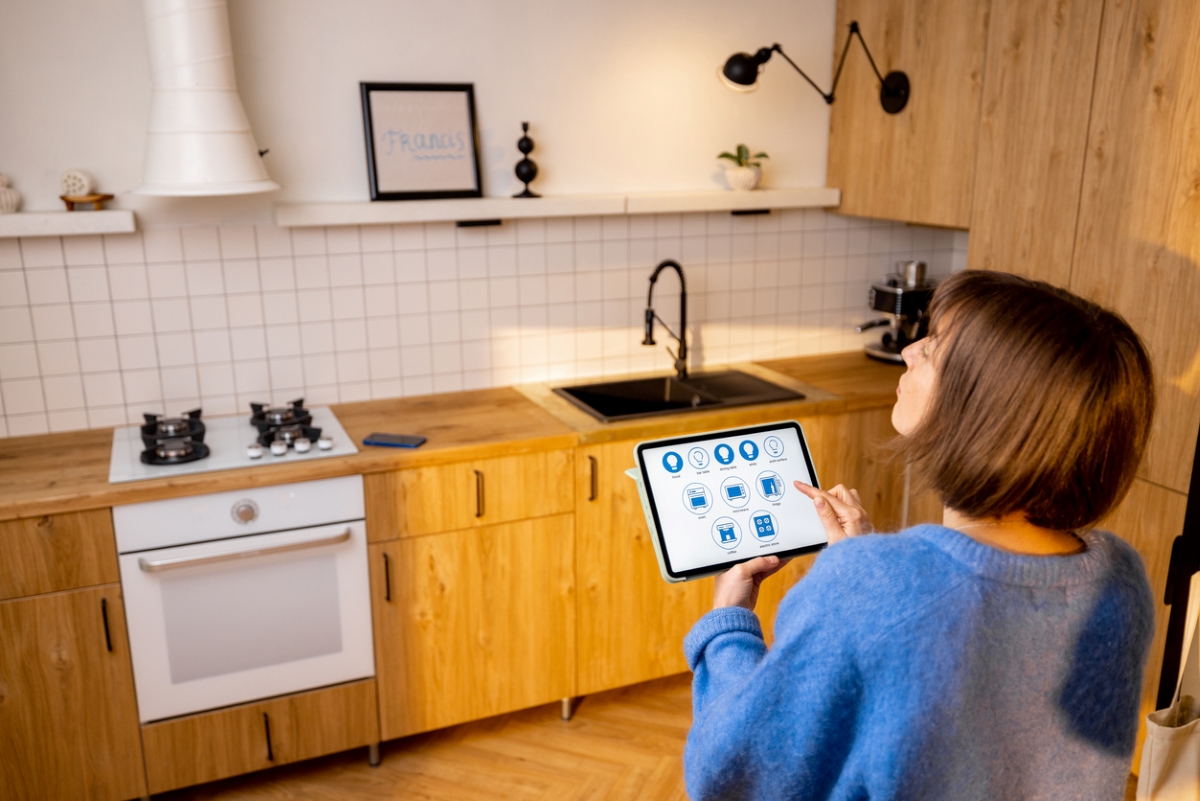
(200, 141)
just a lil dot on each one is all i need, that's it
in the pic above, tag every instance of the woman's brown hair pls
(1042, 404)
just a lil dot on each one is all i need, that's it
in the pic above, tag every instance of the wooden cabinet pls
(1136, 248)
(474, 623)
(468, 494)
(631, 622)
(917, 165)
(56, 552)
(68, 718)
(227, 742)
(1037, 95)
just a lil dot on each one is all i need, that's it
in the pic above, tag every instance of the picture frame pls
(422, 140)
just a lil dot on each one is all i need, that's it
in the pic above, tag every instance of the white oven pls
(236, 596)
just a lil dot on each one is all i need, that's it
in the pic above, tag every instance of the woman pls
(997, 656)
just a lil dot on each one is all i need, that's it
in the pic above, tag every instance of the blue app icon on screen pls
(672, 461)
(749, 450)
(724, 453)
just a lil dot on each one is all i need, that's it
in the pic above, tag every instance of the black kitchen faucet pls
(651, 316)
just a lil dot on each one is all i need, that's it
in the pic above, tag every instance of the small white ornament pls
(10, 199)
(75, 183)
(743, 179)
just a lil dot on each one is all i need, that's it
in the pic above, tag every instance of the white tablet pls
(715, 499)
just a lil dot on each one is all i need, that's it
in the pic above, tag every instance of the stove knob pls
(254, 450)
(325, 443)
(278, 448)
(244, 512)
(302, 445)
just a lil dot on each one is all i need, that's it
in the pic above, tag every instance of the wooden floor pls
(623, 744)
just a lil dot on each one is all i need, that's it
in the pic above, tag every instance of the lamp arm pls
(804, 75)
(854, 31)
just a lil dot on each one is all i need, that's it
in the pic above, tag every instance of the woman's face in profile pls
(915, 392)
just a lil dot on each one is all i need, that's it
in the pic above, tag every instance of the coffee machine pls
(904, 297)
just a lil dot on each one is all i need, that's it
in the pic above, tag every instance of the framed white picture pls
(421, 140)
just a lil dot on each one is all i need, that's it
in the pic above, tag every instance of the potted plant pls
(747, 173)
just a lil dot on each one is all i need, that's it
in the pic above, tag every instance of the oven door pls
(220, 623)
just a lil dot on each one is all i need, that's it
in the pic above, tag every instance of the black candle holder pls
(526, 168)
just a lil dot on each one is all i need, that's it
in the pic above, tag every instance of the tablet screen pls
(728, 496)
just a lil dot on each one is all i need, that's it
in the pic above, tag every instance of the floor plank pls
(625, 745)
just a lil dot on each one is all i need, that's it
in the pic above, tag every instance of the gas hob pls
(229, 441)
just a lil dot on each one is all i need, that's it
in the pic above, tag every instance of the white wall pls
(622, 95)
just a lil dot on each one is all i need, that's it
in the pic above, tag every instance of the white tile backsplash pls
(96, 330)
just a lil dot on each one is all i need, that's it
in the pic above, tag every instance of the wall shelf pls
(499, 208)
(67, 223)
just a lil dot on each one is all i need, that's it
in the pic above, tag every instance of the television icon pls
(735, 492)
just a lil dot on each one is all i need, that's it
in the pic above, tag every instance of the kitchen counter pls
(56, 473)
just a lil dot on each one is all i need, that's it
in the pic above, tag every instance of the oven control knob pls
(279, 448)
(245, 511)
(325, 443)
(254, 450)
(302, 445)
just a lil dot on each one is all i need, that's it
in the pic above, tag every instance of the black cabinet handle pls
(593, 491)
(104, 614)
(267, 726)
(478, 494)
(387, 578)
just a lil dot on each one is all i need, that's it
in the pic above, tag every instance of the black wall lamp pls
(740, 74)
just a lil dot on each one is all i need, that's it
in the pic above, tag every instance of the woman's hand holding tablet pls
(718, 499)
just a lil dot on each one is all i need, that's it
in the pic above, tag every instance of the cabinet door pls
(473, 623)
(917, 165)
(227, 742)
(631, 622)
(57, 552)
(449, 497)
(68, 718)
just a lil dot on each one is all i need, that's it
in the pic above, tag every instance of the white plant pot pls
(743, 179)
(10, 199)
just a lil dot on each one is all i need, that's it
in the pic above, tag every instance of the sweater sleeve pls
(781, 722)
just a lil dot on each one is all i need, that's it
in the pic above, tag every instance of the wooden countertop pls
(68, 472)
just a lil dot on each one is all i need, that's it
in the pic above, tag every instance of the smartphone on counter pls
(395, 440)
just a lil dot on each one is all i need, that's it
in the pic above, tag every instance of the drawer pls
(213, 745)
(57, 552)
(461, 495)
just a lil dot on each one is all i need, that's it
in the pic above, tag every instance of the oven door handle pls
(245, 553)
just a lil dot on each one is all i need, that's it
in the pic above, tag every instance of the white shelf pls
(676, 202)
(67, 223)
(502, 208)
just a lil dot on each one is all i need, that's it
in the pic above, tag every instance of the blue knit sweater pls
(926, 665)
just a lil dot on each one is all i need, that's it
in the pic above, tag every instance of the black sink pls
(643, 397)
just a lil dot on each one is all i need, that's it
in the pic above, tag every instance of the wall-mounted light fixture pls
(741, 70)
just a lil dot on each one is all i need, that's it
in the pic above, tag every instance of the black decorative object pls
(740, 73)
(421, 140)
(526, 168)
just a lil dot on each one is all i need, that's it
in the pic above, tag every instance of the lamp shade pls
(740, 72)
(199, 141)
